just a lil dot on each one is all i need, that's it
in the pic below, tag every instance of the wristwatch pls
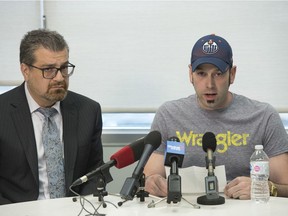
(273, 189)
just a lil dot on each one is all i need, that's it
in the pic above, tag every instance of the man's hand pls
(239, 188)
(156, 185)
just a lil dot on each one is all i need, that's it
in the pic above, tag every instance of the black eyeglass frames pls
(51, 72)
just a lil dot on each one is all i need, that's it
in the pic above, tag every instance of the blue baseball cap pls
(212, 49)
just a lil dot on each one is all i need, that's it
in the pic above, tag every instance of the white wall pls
(134, 55)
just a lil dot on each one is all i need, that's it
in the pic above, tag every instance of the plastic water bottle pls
(259, 173)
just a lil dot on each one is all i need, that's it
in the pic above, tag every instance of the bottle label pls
(259, 167)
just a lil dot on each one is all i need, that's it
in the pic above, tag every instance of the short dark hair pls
(35, 39)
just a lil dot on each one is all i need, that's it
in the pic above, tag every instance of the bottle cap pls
(258, 147)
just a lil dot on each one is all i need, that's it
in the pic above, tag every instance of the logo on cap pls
(210, 47)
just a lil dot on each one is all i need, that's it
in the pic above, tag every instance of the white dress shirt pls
(38, 120)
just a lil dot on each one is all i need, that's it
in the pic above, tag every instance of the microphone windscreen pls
(123, 157)
(153, 138)
(209, 141)
(174, 139)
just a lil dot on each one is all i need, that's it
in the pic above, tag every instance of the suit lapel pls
(70, 116)
(21, 116)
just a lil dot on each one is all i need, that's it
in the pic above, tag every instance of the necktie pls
(53, 149)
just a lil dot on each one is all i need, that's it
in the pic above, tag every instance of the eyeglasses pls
(51, 72)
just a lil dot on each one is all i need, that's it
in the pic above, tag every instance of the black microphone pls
(152, 141)
(212, 197)
(124, 157)
(209, 145)
(174, 158)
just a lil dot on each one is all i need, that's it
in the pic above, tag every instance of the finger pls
(232, 183)
(162, 185)
(244, 197)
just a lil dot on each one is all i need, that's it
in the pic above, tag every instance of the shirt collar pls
(33, 106)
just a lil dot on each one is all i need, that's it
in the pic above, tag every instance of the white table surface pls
(65, 206)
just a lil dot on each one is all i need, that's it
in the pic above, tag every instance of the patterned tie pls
(53, 153)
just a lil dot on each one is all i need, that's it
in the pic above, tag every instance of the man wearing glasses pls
(49, 136)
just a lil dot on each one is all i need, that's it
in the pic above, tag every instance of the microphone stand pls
(133, 186)
(103, 178)
(141, 192)
(101, 190)
(153, 204)
(211, 187)
(174, 188)
(174, 184)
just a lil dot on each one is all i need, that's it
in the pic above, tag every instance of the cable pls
(82, 200)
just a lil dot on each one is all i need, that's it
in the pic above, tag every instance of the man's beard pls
(210, 101)
(58, 94)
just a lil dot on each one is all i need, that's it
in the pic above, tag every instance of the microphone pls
(175, 151)
(212, 197)
(174, 158)
(124, 157)
(151, 142)
(209, 145)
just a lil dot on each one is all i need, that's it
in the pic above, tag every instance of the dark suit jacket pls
(82, 129)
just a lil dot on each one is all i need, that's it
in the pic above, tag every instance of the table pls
(65, 206)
